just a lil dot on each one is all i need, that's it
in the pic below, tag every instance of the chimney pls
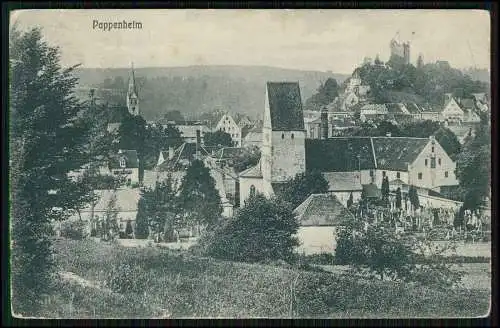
(170, 153)
(324, 123)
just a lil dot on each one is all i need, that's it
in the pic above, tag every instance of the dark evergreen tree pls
(413, 197)
(385, 190)
(398, 198)
(46, 141)
(350, 201)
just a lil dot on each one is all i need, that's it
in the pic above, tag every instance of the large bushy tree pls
(474, 169)
(198, 196)
(263, 230)
(326, 93)
(296, 190)
(47, 140)
(218, 138)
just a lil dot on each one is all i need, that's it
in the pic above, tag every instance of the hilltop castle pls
(401, 49)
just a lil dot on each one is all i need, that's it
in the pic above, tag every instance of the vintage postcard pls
(250, 163)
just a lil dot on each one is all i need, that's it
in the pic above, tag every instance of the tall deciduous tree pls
(46, 142)
(198, 196)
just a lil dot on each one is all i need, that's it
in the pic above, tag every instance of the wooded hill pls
(197, 89)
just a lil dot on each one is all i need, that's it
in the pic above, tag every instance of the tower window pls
(398, 175)
(445, 174)
(292, 135)
(123, 163)
(420, 176)
(426, 162)
(439, 161)
(282, 136)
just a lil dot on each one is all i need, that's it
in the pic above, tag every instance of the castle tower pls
(132, 95)
(406, 53)
(283, 147)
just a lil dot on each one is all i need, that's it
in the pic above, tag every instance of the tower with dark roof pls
(132, 95)
(283, 147)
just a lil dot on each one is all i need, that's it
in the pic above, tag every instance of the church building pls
(283, 142)
(132, 95)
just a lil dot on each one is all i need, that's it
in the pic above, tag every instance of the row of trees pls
(165, 209)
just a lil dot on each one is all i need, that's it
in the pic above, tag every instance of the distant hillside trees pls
(326, 93)
(429, 81)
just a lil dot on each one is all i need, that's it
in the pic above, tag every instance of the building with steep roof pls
(283, 151)
(320, 218)
(132, 94)
(125, 164)
(229, 125)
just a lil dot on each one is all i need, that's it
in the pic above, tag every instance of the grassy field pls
(172, 284)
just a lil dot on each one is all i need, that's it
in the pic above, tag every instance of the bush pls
(125, 278)
(74, 230)
(262, 230)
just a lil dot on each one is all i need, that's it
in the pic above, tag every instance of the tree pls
(413, 197)
(46, 142)
(474, 169)
(261, 231)
(377, 250)
(449, 141)
(350, 201)
(142, 218)
(326, 93)
(198, 196)
(159, 138)
(246, 159)
(218, 138)
(398, 198)
(173, 115)
(297, 189)
(110, 227)
(385, 190)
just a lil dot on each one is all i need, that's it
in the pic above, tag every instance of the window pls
(432, 149)
(439, 161)
(282, 136)
(420, 176)
(426, 162)
(433, 163)
(383, 174)
(398, 175)
(123, 163)
(445, 174)
(224, 129)
(292, 135)
(252, 190)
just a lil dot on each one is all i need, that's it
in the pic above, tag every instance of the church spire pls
(132, 95)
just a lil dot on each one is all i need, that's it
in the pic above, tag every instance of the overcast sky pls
(335, 40)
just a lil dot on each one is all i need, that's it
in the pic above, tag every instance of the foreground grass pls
(173, 284)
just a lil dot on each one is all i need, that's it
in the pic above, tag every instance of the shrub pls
(262, 230)
(125, 278)
(74, 230)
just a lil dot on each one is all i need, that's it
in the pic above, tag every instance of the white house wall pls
(432, 178)
(228, 125)
(316, 240)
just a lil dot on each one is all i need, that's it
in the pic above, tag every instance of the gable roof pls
(245, 131)
(343, 181)
(285, 105)
(229, 152)
(393, 153)
(130, 156)
(339, 154)
(322, 210)
(468, 104)
(252, 172)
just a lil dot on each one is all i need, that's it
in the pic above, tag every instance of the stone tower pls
(132, 95)
(283, 147)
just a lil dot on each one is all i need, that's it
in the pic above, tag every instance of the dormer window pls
(123, 163)
(282, 136)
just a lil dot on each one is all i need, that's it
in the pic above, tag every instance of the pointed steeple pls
(132, 95)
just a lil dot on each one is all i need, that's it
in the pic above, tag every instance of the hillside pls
(479, 74)
(196, 89)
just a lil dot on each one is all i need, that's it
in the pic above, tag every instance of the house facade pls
(228, 124)
(452, 112)
(125, 164)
